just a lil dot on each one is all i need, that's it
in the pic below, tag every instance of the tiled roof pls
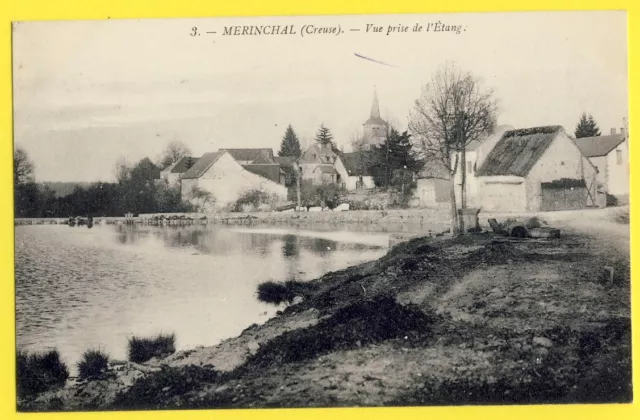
(600, 145)
(203, 164)
(271, 172)
(249, 155)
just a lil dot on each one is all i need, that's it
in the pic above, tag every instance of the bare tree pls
(174, 151)
(357, 142)
(22, 167)
(452, 111)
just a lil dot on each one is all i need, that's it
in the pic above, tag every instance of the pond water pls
(79, 288)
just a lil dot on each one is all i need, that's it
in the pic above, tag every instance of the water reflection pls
(80, 288)
(291, 247)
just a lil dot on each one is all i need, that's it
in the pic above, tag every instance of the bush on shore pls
(277, 293)
(94, 364)
(141, 349)
(255, 200)
(39, 372)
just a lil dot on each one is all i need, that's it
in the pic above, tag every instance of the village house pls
(433, 186)
(475, 154)
(219, 174)
(260, 162)
(357, 175)
(322, 165)
(536, 169)
(610, 154)
(326, 165)
(173, 173)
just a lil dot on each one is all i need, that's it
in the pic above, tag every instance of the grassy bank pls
(473, 320)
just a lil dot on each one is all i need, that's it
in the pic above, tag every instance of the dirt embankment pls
(477, 319)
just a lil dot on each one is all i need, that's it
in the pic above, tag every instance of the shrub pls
(39, 372)
(94, 364)
(142, 349)
(324, 195)
(277, 293)
(253, 199)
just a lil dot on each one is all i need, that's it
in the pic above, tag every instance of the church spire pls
(375, 110)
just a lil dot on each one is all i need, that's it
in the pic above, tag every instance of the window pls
(470, 167)
(619, 157)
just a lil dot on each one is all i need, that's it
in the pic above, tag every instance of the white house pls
(610, 154)
(475, 154)
(536, 169)
(356, 175)
(219, 174)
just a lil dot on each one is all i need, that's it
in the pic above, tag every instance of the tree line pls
(137, 189)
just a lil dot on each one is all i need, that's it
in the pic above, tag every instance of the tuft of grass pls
(94, 364)
(39, 372)
(277, 293)
(142, 349)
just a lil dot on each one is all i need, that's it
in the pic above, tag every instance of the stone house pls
(433, 185)
(536, 169)
(610, 154)
(321, 165)
(260, 162)
(226, 180)
(173, 173)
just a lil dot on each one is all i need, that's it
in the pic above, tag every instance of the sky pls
(87, 93)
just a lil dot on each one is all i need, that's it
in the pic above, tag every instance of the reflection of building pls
(375, 128)
(610, 154)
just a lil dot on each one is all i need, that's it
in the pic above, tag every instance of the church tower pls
(375, 127)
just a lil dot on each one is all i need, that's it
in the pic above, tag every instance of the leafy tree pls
(587, 127)
(169, 200)
(452, 111)
(324, 137)
(23, 169)
(174, 151)
(290, 145)
(393, 160)
(28, 200)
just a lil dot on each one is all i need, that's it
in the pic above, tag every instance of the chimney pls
(613, 131)
(622, 131)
